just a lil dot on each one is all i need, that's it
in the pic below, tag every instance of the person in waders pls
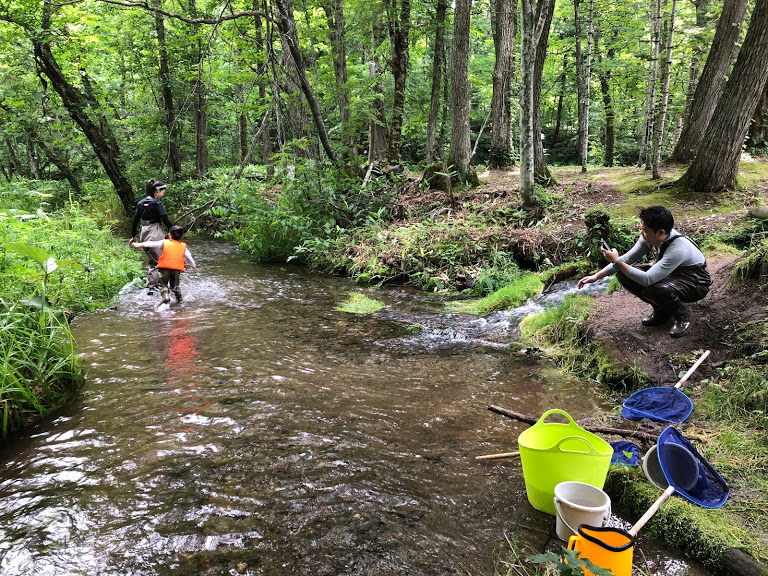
(678, 276)
(151, 214)
(173, 255)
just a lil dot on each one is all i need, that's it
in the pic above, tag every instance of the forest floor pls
(616, 317)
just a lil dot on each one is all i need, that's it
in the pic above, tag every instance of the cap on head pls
(176, 232)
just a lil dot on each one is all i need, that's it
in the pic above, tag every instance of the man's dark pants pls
(669, 295)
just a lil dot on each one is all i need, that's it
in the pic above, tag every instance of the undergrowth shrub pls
(315, 203)
(38, 365)
(92, 265)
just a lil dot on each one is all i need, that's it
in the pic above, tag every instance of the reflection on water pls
(254, 429)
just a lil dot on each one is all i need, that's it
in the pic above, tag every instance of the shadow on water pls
(254, 429)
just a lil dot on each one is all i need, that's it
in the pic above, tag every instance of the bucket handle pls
(579, 438)
(557, 411)
(606, 516)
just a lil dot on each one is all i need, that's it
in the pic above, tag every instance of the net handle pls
(652, 510)
(692, 369)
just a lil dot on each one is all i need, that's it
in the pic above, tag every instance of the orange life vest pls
(173, 255)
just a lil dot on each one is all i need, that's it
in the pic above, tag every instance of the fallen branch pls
(497, 456)
(601, 429)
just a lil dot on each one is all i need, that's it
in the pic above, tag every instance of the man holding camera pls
(678, 275)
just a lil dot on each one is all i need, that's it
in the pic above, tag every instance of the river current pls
(256, 429)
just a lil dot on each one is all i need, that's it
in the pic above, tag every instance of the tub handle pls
(577, 438)
(557, 411)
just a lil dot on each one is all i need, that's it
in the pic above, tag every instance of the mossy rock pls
(612, 370)
(700, 533)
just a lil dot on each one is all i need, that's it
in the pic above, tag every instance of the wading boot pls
(682, 323)
(657, 318)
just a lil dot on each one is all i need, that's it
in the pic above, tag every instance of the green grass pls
(38, 365)
(358, 303)
(519, 292)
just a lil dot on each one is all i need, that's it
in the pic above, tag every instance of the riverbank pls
(603, 337)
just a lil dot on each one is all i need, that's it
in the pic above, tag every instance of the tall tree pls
(659, 135)
(604, 74)
(199, 89)
(583, 81)
(263, 57)
(334, 12)
(712, 81)
(758, 130)
(533, 16)
(173, 152)
(716, 165)
(291, 44)
(503, 24)
(460, 154)
(650, 88)
(541, 173)
(438, 66)
(77, 104)
(399, 24)
(377, 125)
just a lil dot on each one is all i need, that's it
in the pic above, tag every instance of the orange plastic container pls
(609, 548)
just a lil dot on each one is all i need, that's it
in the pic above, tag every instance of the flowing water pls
(255, 429)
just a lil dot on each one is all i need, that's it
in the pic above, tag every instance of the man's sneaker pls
(657, 318)
(150, 292)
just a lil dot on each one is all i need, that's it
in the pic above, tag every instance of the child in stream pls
(173, 255)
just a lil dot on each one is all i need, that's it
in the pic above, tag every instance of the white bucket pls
(579, 503)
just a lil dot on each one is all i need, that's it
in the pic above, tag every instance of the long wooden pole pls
(601, 429)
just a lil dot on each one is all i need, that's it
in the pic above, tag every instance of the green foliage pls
(358, 303)
(520, 291)
(316, 203)
(31, 195)
(753, 265)
(569, 563)
(38, 365)
(739, 393)
(78, 265)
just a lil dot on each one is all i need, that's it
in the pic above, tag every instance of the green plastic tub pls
(554, 452)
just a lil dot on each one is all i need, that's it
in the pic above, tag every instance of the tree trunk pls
(712, 81)
(588, 86)
(198, 89)
(242, 125)
(659, 136)
(438, 63)
(503, 25)
(60, 164)
(399, 24)
(579, 87)
(377, 127)
(266, 140)
(173, 152)
(717, 162)
(291, 39)
(334, 11)
(531, 29)
(559, 113)
(758, 129)
(34, 165)
(541, 173)
(77, 105)
(605, 88)
(460, 154)
(650, 89)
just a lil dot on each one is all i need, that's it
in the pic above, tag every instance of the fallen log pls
(652, 438)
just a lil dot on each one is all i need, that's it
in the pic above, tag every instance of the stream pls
(255, 429)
